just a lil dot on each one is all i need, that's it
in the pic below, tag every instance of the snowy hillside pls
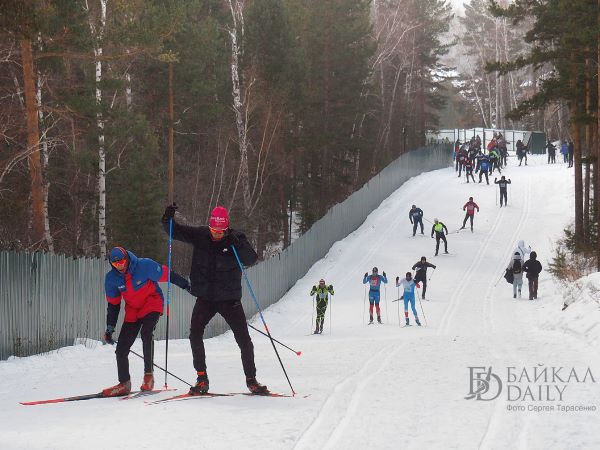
(377, 386)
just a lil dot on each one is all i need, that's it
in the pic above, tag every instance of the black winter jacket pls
(533, 268)
(215, 275)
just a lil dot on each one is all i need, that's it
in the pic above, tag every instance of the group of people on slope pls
(566, 150)
(408, 285)
(518, 265)
(215, 281)
(470, 157)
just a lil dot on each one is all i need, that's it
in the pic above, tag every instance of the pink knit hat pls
(219, 219)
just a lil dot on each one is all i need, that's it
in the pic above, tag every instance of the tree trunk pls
(171, 141)
(597, 164)
(575, 133)
(33, 142)
(588, 138)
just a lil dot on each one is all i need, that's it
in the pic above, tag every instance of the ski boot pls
(148, 383)
(201, 386)
(321, 329)
(255, 387)
(370, 320)
(519, 293)
(316, 330)
(417, 321)
(379, 319)
(118, 390)
(407, 322)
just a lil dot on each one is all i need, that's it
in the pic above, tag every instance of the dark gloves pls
(232, 239)
(108, 335)
(180, 281)
(366, 274)
(169, 213)
(330, 287)
(384, 275)
(435, 267)
(397, 280)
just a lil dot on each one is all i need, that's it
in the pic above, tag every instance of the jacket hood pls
(133, 260)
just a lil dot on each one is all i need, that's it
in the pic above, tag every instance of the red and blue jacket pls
(138, 287)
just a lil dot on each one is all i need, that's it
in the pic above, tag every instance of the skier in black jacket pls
(416, 218)
(215, 279)
(503, 185)
(421, 275)
(533, 268)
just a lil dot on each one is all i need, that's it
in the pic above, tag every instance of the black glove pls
(108, 335)
(435, 267)
(233, 239)
(384, 275)
(366, 274)
(330, 287)
(397, 279)
(169, 212)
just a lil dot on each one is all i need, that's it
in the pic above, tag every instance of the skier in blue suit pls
(374, 281)
(409, 285)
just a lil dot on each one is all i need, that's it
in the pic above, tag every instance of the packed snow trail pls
(377, 386)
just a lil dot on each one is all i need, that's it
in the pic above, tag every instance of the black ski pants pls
(233, 313)
(482, 173)
(468, 217)
(127, 336)
(533, 287)
(469, 173)
(421, 277)
(504, 195)
(416, 222)
(438, 237)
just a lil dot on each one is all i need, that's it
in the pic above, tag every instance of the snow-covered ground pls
(377, 386)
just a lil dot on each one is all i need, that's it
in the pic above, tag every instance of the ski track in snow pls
(377, 386)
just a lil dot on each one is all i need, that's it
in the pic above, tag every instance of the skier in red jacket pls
(134, 280)
(470, 207)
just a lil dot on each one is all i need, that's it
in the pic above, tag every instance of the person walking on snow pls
(134, 280)
(469, 170)
(564, 150)
(321, 293)
(522, 250)
(408, 285)
(216, 282)
(374, 281)
(421, 274)
(438, 228)
(470, 207)
(533, 268)
(516, 267)
(551, 152)
(416, 218)
(503, 185)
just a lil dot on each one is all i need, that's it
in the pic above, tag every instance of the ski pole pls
(158, 367)
(364, 304)
(398, 306)
(386, 303)
(280, 343)
(496, 198)
(498, 281)
(429, 279)
(168, 300)
(261, 315)
(312, 314)
(330, 308)
(422, 310)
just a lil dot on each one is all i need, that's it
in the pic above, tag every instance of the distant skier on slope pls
(409, 285)
(469, 170)
(421, 274)
(483, 162)
(503, 185)
(134, 280)
(416, 218)
(321, 293)
(438, 228)
(470, 207)
(533, 268)
(374, 281)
